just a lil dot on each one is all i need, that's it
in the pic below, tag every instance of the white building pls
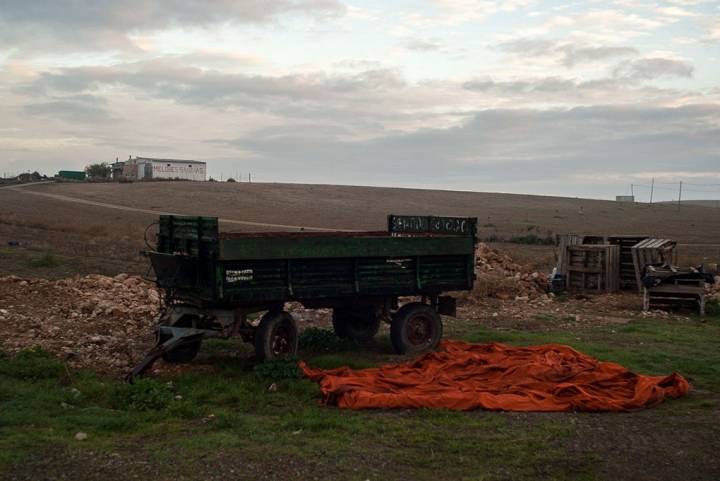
(148, 168)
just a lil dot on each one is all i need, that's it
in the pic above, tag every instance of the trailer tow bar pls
(174, 337)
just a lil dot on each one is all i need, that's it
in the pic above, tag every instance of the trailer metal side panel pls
(329, 247)
(272, 280)
(201, 266)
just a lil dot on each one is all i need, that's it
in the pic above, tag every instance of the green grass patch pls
(552, 319)
(47, 260)
(241, 411)
(647, 346)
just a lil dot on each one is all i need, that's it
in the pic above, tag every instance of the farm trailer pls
(214, 281)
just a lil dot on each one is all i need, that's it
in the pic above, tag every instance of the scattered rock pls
(96, 321)
(498, 276)
(80, 436)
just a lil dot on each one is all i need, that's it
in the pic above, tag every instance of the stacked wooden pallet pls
(627, 271)
(668, 287)
(592, 267)
(608, 263)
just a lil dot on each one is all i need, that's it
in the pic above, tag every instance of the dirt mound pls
(95, 321)
(498, 276)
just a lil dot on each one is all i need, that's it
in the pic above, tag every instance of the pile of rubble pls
(498, 276)
(712, 291)
(106, 323)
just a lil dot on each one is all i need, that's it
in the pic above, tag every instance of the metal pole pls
(652, 189)
(632, 191)
(680, 195)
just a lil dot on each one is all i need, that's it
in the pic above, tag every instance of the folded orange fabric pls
(464, 376)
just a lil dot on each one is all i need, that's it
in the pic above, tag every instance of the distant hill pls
(500, 216)
(701, 203)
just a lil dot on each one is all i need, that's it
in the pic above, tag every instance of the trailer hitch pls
(168, 338)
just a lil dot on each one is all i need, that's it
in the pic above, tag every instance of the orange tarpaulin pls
(465, 376)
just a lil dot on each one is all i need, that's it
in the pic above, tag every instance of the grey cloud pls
(568, 91)
(106, 23)
(530, 47)
(168, 78)
(546, 84)
(567, 53)
(497, 146)
(652, 68)
(355, 97)
(563, 91)
(588, 54)
(421, 45)
(75, 108)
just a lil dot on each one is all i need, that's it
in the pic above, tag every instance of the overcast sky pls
(562, 98)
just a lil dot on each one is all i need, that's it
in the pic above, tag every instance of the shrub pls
(322, 340)
(144, 394)
(712, 307)
(98, 171)
(533, 239)
(285, 367)
(33, 364)
(230, 179)
(47, 260)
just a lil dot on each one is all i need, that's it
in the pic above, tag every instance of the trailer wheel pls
(184, 352)
(415, 328)
(276, 336)
(360, 324)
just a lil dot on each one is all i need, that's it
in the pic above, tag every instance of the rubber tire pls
(184, 352)
(399, 328)
(358, 324)
(263, 335)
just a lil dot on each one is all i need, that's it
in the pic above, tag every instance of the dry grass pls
(502, 215)
(87, 232)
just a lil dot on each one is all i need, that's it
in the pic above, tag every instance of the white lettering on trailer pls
(242, 275)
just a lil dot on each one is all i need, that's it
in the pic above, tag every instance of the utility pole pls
(680, 195)
(632, 191)
(249, 177)
(652, 189)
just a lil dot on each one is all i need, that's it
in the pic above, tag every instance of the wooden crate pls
(592, 268)
(651, 251)
(566, 240)
(682, 293)
(628, 277)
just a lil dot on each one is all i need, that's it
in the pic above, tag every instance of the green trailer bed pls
(213, 280)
